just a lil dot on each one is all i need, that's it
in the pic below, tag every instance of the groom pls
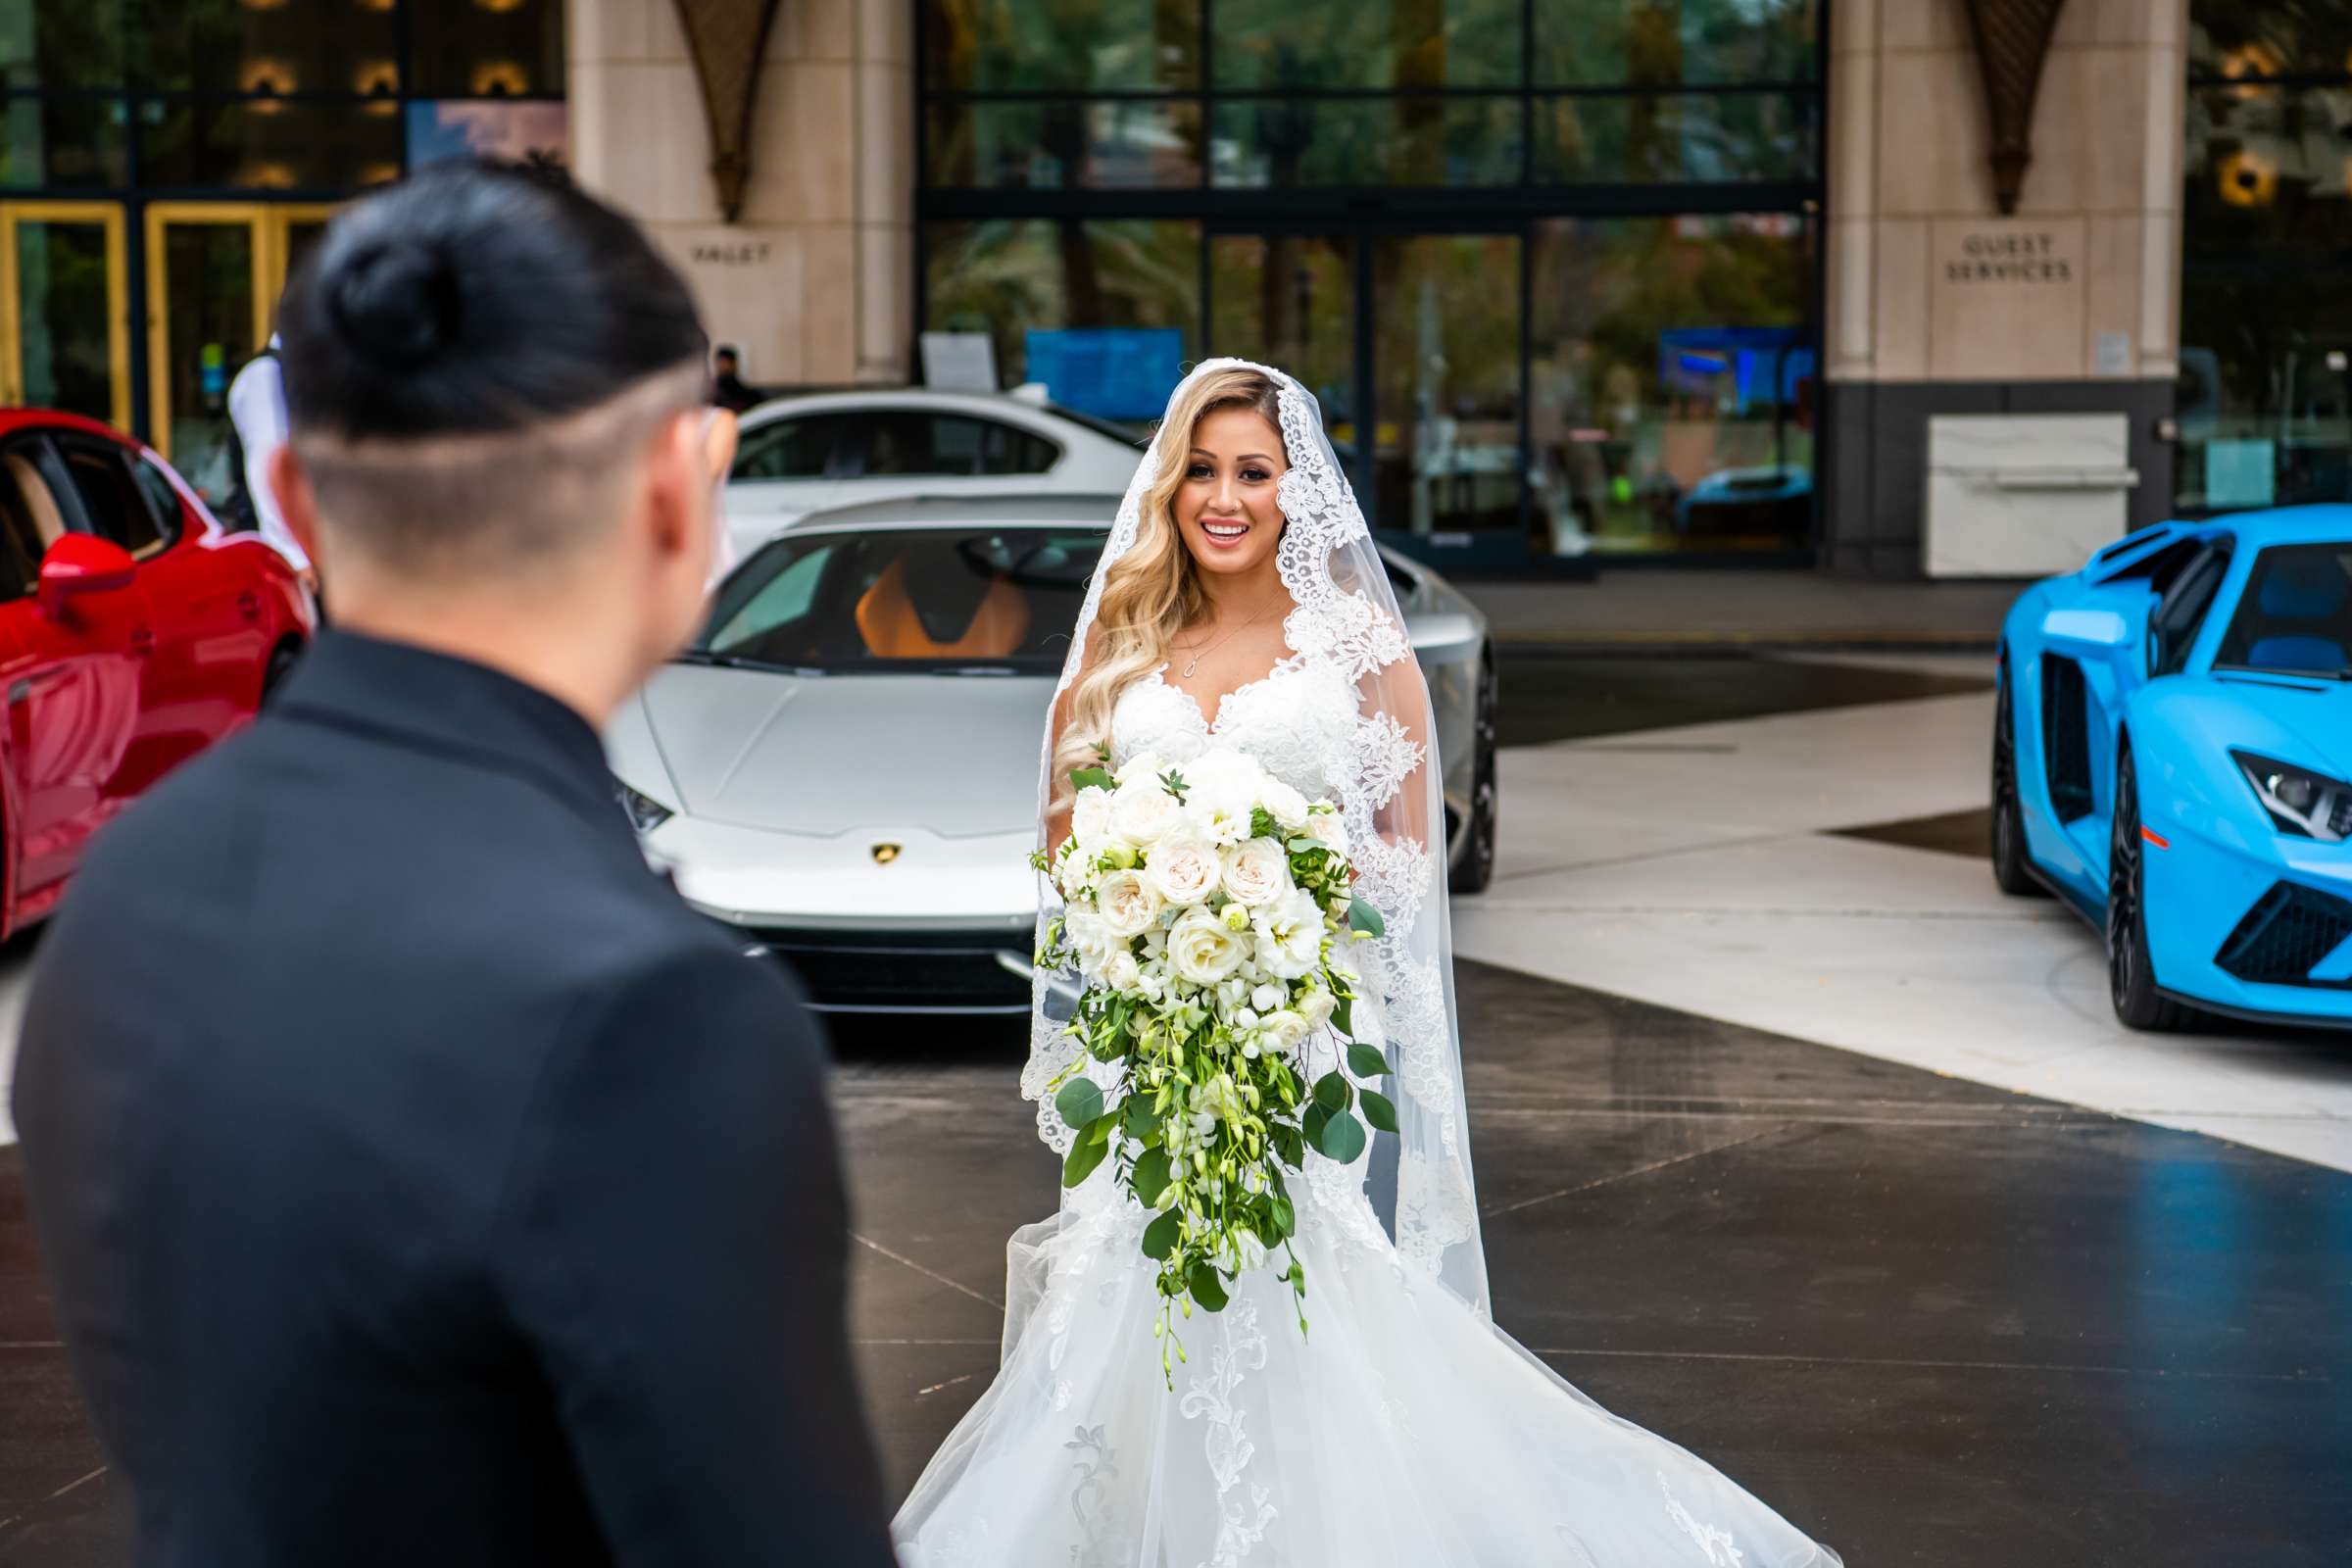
(420, 1180)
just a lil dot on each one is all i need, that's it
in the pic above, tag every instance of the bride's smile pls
(1226, 506)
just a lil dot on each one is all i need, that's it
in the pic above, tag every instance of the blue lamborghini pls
(2171, 757)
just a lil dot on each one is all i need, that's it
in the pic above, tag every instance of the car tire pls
(2130, 977)
(282, 660)
(1477, 869)
(2009, 870)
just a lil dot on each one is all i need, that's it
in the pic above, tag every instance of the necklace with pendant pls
(1199, 654)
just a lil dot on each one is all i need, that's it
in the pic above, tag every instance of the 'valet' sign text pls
(731, 253)
(2009, 256)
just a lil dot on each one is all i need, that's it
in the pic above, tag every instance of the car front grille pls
(2289, 931)
(893, 972)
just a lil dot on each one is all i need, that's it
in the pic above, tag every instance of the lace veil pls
(1345, 618)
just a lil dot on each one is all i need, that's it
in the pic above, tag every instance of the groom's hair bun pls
(472, 298)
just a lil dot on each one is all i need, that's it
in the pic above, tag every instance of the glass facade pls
(163, 162)
(2265, 402)
(1551, 265)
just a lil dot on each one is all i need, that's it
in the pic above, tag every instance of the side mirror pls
(1444, 630)
(78, 564)
(2097, 629)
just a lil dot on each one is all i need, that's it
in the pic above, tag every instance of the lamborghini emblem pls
(884, 853)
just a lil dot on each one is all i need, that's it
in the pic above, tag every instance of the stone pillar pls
(814, 282)
(1937, 304)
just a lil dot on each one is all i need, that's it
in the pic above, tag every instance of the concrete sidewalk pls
(1696, 608)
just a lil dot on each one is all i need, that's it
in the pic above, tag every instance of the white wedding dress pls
(1403, 1429)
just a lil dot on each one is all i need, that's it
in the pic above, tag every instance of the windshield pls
(987, 601)
(2295, 616)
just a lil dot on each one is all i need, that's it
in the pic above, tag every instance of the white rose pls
(1091, 939)
(1090, 817)
(1183, 870)
(1256, 871)
(1290, 935)
(1317, 1007)
(1286, 806)
(1142, 765)
(1128, 904)
(1121, 972)
(1202, 949)
(1326, 828)
(1285, 1032)
(1142, 811)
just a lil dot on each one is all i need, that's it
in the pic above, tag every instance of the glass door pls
(65, 308)
(1446, 429)
(213, 273)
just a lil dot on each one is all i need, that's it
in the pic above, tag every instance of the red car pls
(134, 632)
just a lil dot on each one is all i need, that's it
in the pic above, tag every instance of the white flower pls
(1284, 1031)
(1089, 818)
(1142, 765)
(1220, 795)
(1317, 1007)
(1326, 826)
(1128, 904)
(1121, 972)
(1202, 949)
(1142, 811)
(1266, 998)
(1183, 870)
(1286, 804)
(1091, 939)
(1290, 935)
(1256, 871)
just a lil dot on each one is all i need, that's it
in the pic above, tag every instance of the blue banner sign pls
(1110, 373)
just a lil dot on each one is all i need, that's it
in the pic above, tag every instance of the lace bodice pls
(1298, 721)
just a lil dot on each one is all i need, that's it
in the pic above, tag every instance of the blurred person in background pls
(728, 387)
(420, 1180)
(257, 425)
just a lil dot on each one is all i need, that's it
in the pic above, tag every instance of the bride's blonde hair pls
(1152, 591)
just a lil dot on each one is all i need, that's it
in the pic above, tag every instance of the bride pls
(1240, 604)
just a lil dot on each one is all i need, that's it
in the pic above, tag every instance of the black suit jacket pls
(420, 1180)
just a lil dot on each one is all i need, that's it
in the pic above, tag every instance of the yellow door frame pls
(266, 223)
(109, 217)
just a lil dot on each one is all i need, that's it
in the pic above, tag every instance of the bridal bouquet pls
(1208, 909)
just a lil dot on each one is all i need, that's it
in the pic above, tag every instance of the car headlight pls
(2304, 804)
(645, 813)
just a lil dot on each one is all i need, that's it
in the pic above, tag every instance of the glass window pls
(2296, 612)
(1035, 46)
(1125, 144)
(1259, 143)
(272, 146)
(1388, 43)
(24, 538)
(1671, 375)
(61, 310)
(1010, 276)
(907, 598)
(1675, 43)
(110, 498)
(63, 143)
(906, 442)
(2238, 39)
(64, 43)
(1446, 379)
(1675, 140)
(1290, 300)
(484, 48)
(2173, 627)
(163, 502)
(803, 448)
(292, 46)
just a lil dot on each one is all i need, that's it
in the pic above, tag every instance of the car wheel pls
(1478, 855)
(2130, 977)
(282, 660)
(2010, 872)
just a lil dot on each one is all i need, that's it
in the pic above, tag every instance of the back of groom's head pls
(475, 361)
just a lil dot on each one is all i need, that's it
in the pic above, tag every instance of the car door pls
(901, 452)
(71, 682)
(784, 468)
(204, 674)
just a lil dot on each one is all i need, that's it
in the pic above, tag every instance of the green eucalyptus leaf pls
(1303, 844)
(1206, 1288)
(1343, 1015)
(1363, 917)
(1342, 1138)
(1151, 1176)
(1311, 1127)
(1099, 1129)
(1367, 1062)
(1159, 1236)
(1333, 1091)
(1085, 1154)
(1090, 778)
(1379, 1111)
(1286, 1218)
(1143, 1121)
(1080, 1102)
(1288, 1145)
